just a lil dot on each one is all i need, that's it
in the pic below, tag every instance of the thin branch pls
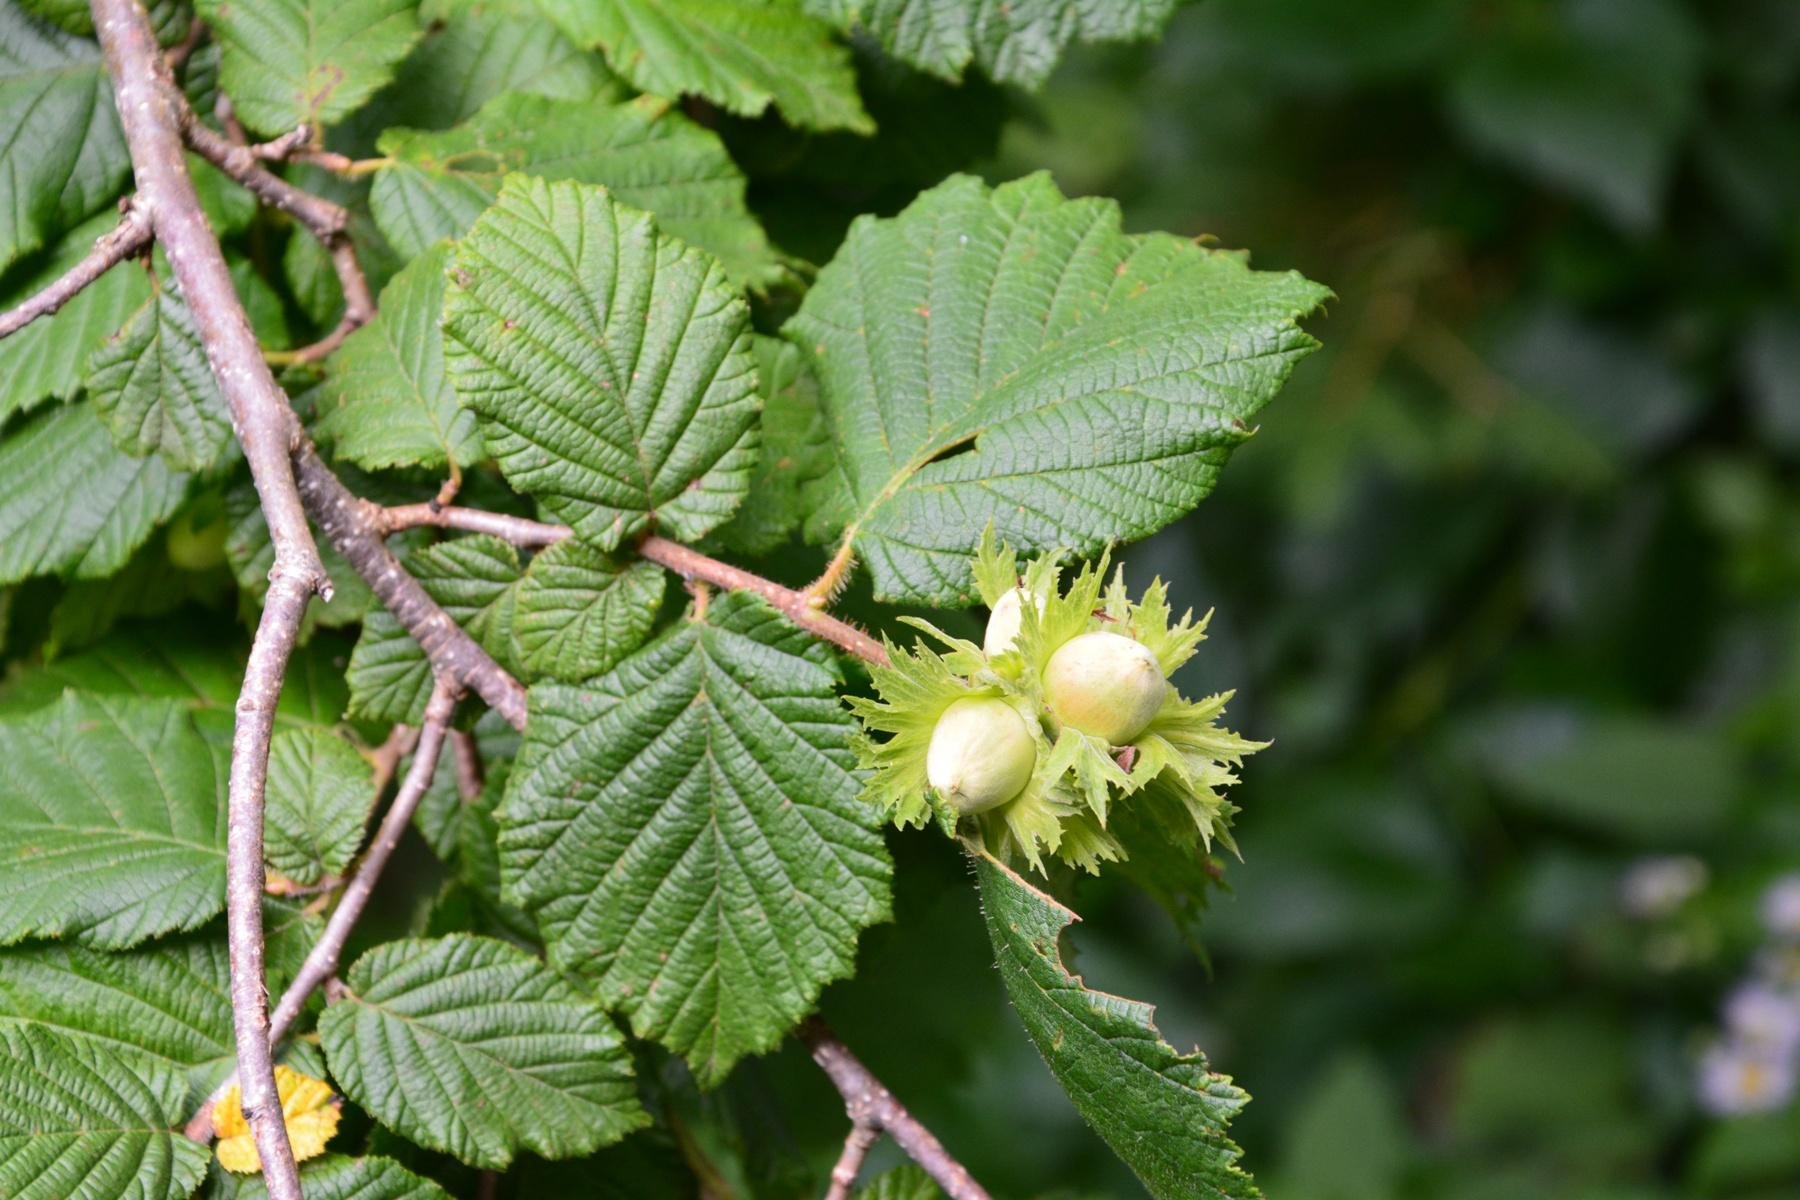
(111, 248)
(150, 115)
(322, 961)
(871, 1106)
(857, 1144)
(355, 529)
(326, 221)
(520, 531)
(467, 758)
(802, 609)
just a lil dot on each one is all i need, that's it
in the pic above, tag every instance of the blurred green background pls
(1508, 576)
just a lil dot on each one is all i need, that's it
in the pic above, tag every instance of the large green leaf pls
(1163, 1112)
(472, 1046)
(610, 365)
(474, 50)
(62, 155)
(319, 795)
(82, 1121)
(48, 357)
(648, 154)
(1014, 43)
(335, 1177)
(388, 402)
(476, 580)
(154, 389)
(579, 612)
(687, 831)
(170, 997)
(112, 822)
(743, 55)
(292, 62)
(73, 503)
(1010, 356)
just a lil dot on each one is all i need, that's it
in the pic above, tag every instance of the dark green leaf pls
(154, 389)
(319, 794)
(579, 612)
(687, 832)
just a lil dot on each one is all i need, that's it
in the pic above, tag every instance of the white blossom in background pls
(1737, 1080)
(1781, 908)
(1765, 1019)
(1656, 887)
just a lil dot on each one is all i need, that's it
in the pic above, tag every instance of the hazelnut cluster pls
(1030, 741)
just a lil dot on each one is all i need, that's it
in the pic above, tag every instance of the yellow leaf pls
(307, 1106)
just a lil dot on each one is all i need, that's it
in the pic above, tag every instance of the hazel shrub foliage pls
(581, 319)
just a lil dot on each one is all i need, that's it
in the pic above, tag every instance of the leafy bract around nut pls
(1086, 677)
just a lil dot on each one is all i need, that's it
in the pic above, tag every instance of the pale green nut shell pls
(981, 754)
(1005, 619)
(1105, 684)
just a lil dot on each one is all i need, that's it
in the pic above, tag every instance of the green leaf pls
(795, 451)
(687, 832)
(81, 1121)
(154, 389)
(580, 613)
(387, 402)
(1009, 356)
(71, 502)
(170, 998)
(112, 822)
(319, 797)
(335, 1177)
(646, 152)
(905, 1182)
(743, 55)
(1164, 1113)
(48, 357)
(610, 365)
(474, 50)
(293, 62)
(475, 579)
(59, 133)
(1014, 43)
(473, 1047)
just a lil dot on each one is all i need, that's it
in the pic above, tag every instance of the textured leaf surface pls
(73, 503)
(1164, 1113)
(388, 402)
(474, 1047)
(1014, 43)
(169, 998)
(288, 62)
(579, 612)
(61, 153)
(610, 365)
(112, 822)
(743, 55)
(1011, 356)
(320, 793)
(646, 153)
(475, 579)
(81, 1121)
(687, 832)
(335, 1177)
(48, 357)
(152, 386)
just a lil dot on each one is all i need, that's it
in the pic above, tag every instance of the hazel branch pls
(321, 962)
(130, 236)
(802, 609)
(871, 1107)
